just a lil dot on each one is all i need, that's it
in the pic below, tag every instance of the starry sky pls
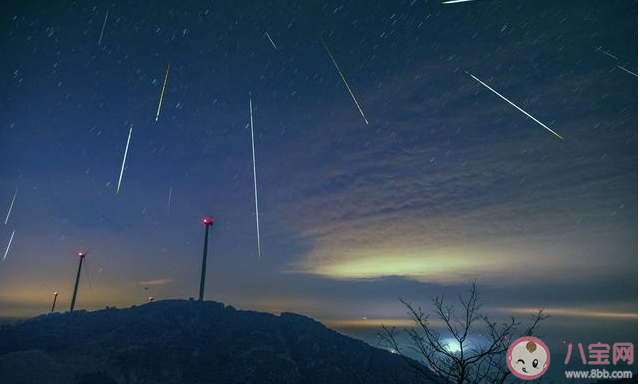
(447, 183)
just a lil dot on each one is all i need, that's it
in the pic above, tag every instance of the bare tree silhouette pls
(452, 354)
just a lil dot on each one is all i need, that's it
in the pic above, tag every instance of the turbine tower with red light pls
(81, 255)
(207, 222)
(55, 298)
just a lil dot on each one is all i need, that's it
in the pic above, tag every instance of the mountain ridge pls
(185, 341)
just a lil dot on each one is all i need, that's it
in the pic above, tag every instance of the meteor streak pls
(9, 245)
(272, 43)
(512, 104)
(169, 202)
(13, 200)
(344, 80)
(124, 159)
(255, 179)
(103, 25)
(616, 58)
(606, 53)
(626, 70)
(164, 85)
(456, 1)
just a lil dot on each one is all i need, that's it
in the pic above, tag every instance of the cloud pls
(373, 252)
(506, 204)
(574, 312)
(162, 281)
(369, 323)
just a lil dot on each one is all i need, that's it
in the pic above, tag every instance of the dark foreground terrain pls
(189, 342)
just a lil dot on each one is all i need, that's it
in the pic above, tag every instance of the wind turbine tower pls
(81, 255)
(207, 221)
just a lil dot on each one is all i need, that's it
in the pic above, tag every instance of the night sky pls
(447, 183)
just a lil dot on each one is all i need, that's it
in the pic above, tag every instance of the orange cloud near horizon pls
(573, 312)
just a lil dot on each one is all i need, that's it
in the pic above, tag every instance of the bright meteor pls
(104, 24)
(626, 70)
(512, 104)
(124, 159)
(255, 179)
(164, 85)
(606, 53)
(616, 58)
(344, 80)
(9, 245)
(13, 200)
(272, 43)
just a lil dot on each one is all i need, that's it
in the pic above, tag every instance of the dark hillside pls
(189, 342)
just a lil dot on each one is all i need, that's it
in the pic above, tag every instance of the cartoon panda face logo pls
(528, 358)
